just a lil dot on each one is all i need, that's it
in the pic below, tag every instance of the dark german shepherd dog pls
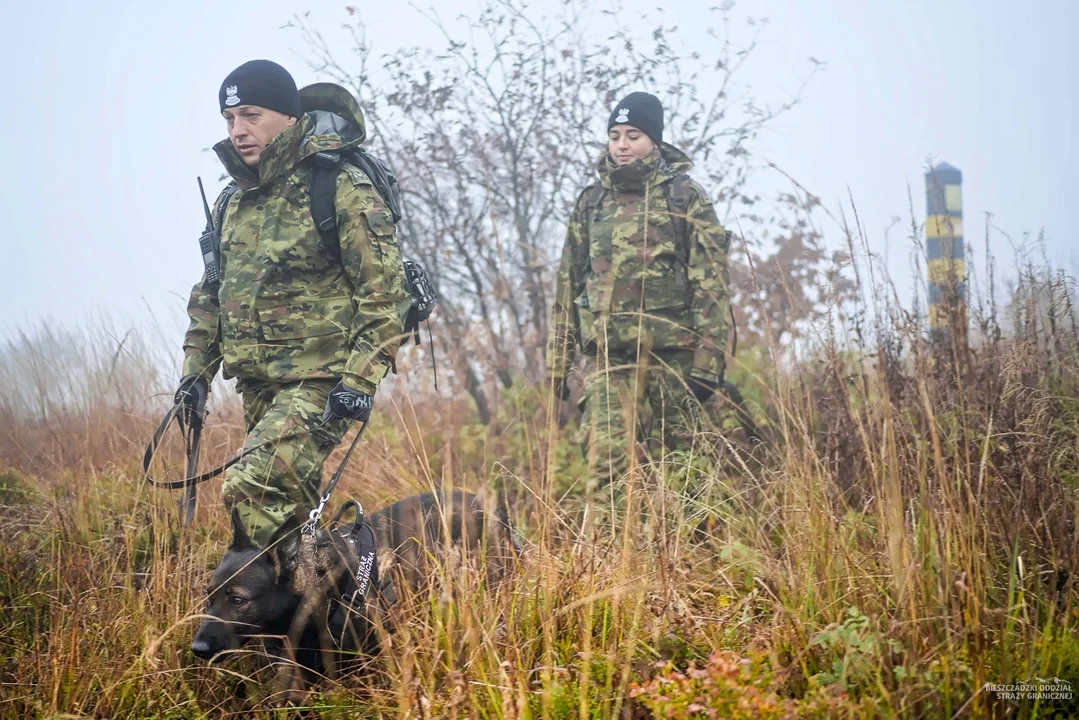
(315, 597)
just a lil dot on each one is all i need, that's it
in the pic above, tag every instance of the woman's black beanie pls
(642, 111)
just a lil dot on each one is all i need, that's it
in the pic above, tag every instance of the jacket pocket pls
(379, 223)
(305, 339)
(664, 284)
(303, 319)
(385, 255)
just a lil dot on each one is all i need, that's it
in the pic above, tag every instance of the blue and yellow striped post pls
(944, 248)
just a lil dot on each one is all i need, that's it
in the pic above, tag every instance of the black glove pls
(701, 389)
(348, 404)
(192, 395)
(561, 389)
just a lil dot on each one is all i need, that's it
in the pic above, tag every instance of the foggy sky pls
(110, 107)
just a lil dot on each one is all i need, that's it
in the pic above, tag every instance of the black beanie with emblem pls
(641, 110)
(263, 83)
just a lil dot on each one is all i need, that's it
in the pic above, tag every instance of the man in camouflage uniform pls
(642, 293)
(307, 335)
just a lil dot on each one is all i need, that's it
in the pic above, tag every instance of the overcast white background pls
(108, 108)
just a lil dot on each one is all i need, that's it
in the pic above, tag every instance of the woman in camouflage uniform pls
(642, 295)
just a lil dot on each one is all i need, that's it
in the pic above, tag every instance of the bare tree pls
(494, 137)
(786, 280)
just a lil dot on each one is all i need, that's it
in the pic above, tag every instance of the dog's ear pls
(240, 539)
(285, 548)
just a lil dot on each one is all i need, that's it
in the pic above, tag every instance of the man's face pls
(252, 128)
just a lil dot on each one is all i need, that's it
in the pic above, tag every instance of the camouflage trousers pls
(638, 410)
(284, 475)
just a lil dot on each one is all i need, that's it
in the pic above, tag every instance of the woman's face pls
(626, 144)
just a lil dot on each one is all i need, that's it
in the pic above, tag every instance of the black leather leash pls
(190, 493)
(313, 518)
(192, 437)
(174, 415)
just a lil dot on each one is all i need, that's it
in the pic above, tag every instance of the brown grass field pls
(905, 538)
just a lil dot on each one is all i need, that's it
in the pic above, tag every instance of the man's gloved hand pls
(348, 404)
(703, 390)
(192, 395)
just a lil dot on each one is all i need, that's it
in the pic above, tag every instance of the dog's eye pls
(237, 600)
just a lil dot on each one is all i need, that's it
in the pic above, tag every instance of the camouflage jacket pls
(284, 311)
(628, 282)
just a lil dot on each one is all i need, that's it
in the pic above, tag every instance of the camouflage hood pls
(657, 167)
(332, 120)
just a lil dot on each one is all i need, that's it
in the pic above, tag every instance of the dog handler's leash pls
(173, 415)
(192, 438)
(313, 518)
(192, 434)
(189, 496)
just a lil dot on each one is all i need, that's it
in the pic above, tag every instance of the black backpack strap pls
(593, 198)
(323, 207)
(679, 190)
(222, 204)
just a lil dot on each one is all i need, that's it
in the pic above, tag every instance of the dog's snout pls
(201, 649)
(207, 642)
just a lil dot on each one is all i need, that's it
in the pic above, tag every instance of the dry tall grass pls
(906, 535)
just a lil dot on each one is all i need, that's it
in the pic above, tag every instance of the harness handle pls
(350, 503)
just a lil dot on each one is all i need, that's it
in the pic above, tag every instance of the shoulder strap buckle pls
(678, 190)
(328, 159)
